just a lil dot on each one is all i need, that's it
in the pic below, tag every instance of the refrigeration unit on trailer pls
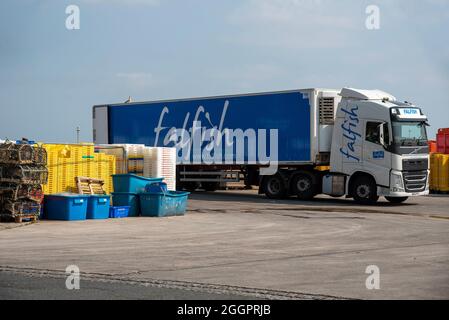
(356, 143)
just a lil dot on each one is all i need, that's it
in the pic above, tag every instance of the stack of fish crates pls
(161, 163)
(135, 154)
(439, 163)
(439, 173)
(149, 162)
(66, 162)
(22, 172)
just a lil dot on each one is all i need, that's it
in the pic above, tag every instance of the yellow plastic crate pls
(65, 173)
(434, 172)
(66, 162)
(106, 168)
(443, 170)
(52, 163)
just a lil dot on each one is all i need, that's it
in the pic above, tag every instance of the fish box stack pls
(22, 172)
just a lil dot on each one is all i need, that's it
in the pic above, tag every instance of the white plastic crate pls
(161, 163)
(134, 151)
(147, 161)
(134, 156)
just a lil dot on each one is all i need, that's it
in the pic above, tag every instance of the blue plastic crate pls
(119, 212)
(131, 183)
(98, 207)
(156, 187)
(162, 204)
(65, 206)
(126, 199)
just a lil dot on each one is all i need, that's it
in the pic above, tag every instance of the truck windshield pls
(409, 133)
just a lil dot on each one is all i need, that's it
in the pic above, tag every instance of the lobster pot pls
(161, 163)
(16, 192)
(12, 153)
(39, 156)
(16, 153)
(24, 174)
(23, 208)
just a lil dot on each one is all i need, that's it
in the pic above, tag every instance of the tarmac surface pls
(236, 244)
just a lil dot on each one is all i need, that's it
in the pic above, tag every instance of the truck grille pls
(415, 164)
(326, 110)
(415, 181)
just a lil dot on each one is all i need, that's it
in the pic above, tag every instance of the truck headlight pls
(396, 182)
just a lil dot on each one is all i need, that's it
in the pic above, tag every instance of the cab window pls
(372, 133)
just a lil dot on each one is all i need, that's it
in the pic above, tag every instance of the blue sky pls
(155, 49)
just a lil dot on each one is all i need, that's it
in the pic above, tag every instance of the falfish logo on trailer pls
(350, 133)
(211, 144)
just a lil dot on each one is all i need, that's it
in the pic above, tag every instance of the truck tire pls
(303, 185)
(364, 190)
(274, 187)
(210, 186)
(396, 199)
(190, 186)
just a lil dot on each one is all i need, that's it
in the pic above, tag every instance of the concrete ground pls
(235, 244)
(19, 285)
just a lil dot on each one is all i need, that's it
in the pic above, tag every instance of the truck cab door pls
(376, 159)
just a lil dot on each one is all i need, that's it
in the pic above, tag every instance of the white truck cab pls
(379, 148)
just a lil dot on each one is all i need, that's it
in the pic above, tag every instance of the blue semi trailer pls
(284, 142)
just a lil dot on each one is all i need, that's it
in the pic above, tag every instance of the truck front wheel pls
(304, 186)
(396, 199)
(364, 190)
(274, 187)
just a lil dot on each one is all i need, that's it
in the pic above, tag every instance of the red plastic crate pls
(432, 146)
(443, 141)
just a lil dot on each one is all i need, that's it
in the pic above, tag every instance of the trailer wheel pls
(396, 199)
(210, 186)
(364, 190)
(190, 186)
(274, 187)
(304, 186)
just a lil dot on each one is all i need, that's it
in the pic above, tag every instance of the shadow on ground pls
(252, 196)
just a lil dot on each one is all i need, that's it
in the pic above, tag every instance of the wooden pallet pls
(90, 185)
(19, 218)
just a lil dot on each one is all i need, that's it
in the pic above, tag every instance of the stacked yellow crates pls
(439, 172)
(443, 169)
(66, 162)
(433, 179)
(106, 167)
(52, 164)
(66, 171)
